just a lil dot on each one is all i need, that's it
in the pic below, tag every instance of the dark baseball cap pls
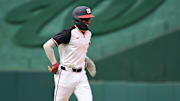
(83, 12)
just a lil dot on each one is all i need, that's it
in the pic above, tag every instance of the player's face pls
(86, 21)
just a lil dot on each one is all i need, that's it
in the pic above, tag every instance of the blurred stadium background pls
(135, 46)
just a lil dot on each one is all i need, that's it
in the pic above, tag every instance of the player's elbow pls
(49, 44)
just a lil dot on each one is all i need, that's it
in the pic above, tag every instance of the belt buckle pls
(76, 70)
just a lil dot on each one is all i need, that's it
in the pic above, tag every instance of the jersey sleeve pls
(63, 36)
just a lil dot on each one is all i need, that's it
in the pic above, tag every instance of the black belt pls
(73, 69)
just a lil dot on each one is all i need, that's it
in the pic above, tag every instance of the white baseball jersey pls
(73, 45)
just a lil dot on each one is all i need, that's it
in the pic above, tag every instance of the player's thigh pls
(83, 92)
(62, 93)
(63, 90)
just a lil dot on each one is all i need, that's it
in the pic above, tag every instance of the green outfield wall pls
(155, 60)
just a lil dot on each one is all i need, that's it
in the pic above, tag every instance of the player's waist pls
(71, 69)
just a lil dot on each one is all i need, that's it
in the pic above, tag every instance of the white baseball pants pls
(68, 82)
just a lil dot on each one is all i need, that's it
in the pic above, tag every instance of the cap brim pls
(86, 16)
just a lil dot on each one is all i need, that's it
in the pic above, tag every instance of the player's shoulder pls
(63, 36)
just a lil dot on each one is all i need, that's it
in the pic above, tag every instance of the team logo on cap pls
(88, 10)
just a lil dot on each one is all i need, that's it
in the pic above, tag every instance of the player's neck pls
(82, 31)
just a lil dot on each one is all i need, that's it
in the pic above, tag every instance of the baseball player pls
(70, 76)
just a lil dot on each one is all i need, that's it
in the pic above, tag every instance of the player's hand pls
(53, 69)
